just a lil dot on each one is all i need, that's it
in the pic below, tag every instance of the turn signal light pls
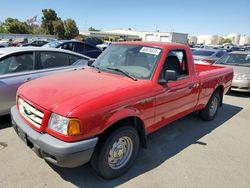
(74, 127)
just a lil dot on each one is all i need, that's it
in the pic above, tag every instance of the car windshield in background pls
(202, 53)
(135, 60)
(235, 59)
(53, 44)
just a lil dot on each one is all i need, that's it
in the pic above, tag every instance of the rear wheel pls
(116, 154)
(210, 111)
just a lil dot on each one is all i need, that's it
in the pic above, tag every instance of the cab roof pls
(153, 44)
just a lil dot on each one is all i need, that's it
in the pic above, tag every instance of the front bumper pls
(241, 85)
(53, 150)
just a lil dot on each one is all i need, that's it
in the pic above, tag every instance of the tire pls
(211, 109)
(115, 154)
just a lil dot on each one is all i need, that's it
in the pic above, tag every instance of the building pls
(208, 39)
(28, 36)
(244, 40)
(192, 39)
(129, 34)
(235, 38)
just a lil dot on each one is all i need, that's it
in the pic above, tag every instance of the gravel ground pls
(186, 153)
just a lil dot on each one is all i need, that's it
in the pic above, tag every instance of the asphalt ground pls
(187, 153)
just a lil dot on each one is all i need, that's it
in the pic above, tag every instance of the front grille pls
(30, 113)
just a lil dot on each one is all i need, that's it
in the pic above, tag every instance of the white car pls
(103, 46)
(4, 42)
(19, 65)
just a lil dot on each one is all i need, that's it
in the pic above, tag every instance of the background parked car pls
(240, 62)
(19, 65)
(93, 41)
(5, 42)
(104, 45)
(76, 46)
(36, 43)
(18, 41)
(207, 56)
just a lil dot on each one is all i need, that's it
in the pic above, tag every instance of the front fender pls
(121, 114)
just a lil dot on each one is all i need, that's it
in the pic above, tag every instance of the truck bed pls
(204, 68)
(211, 76)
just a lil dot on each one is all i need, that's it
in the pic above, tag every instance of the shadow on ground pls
(5, 122)
(239, 94)
(162, 145)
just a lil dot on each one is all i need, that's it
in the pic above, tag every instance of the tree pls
(93, 29)
(35, 29)
(59, 28)
(2, 29)
(49, 16)
(71, 30)
(225, 40)
(15, 26)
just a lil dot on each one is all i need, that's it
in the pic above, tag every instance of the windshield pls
(202, 53)
(135, 60)
(235, 59)
(53, 44)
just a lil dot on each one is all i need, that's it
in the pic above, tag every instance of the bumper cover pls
(241, 85)
(53, 150)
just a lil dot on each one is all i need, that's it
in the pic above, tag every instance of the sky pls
(194, 17)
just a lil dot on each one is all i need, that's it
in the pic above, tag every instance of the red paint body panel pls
(99, 100)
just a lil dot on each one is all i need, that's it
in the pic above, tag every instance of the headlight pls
(64, 125)
(242, 77)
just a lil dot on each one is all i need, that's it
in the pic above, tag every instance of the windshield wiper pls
(123, 72)
(96, 68)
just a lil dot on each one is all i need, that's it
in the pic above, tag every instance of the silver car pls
(19, 65)
(207, 56)
(240, 62)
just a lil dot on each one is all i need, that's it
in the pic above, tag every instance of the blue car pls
(76, 46)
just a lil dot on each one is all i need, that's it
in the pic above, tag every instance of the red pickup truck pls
(103, 113)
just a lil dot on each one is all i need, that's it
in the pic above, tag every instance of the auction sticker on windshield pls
(148, 50)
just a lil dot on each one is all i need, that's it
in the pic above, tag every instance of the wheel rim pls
(120, 152)
(214, 106)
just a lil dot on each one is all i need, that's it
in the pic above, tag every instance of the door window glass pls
(68, 46)
(74, 58)
(17, 63)
(79, 48)
(176, 61)
(53, 59)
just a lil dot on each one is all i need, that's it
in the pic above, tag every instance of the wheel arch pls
(133, 121)
(220, 90)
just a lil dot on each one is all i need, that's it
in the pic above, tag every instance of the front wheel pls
(210, 111)
(116, 154)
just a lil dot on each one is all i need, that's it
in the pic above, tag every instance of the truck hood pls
(62, 92)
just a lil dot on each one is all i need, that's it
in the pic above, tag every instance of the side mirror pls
(90, 62)
(169, 75)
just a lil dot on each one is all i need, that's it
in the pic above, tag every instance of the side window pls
(88, 47)
(17, 63)
(177, 61)
(68, 46)
(74, 58)
(79, 48)
(53, 59)
(220, 54)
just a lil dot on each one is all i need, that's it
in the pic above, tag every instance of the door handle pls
(191, 86)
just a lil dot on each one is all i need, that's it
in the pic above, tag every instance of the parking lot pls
(187, 153)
